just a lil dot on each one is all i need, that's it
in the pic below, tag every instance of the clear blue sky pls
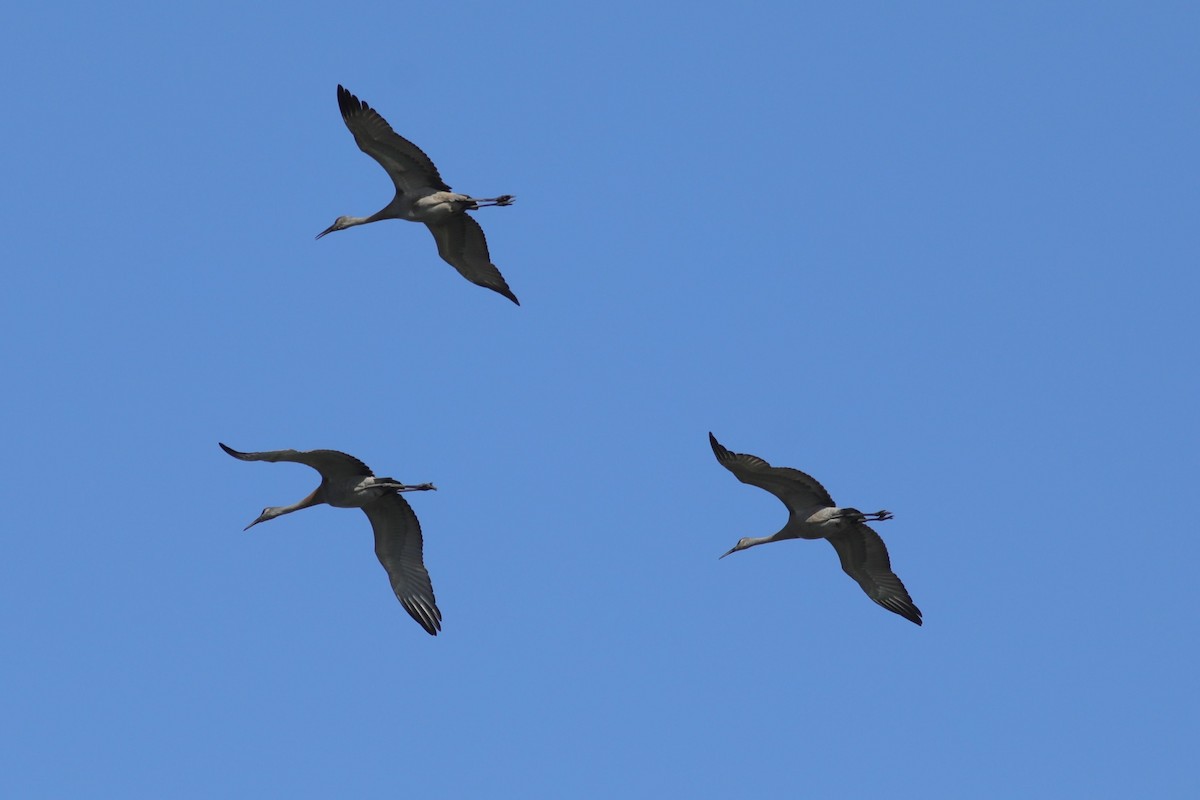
(940, 255)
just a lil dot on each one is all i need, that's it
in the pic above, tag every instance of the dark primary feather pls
(864, 558)
(399, 545)
(462, 245)
(798, 490)
(406, 163)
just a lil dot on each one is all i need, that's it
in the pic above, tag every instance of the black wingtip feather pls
(348, 104)
(903, 608)
(718, 449)
(432, 623)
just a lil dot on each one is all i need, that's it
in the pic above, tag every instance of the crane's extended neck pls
(751, 541)
(271, 512)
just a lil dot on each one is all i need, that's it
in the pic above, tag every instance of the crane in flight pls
(812, 514)
(347, 482)
(422, 196)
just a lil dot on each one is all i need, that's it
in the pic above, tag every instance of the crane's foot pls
(879, 516)
(420, 487)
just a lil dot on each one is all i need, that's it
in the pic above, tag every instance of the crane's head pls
(742, 544)
(270, 512)
(339, 224)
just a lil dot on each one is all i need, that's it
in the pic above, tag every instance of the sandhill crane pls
(422, 196)
(346, 482)
(813, 515)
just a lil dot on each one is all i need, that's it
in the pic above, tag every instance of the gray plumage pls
(347, 482)
(812, 514)
(422, 196)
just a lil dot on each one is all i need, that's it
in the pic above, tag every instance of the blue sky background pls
(940, 255)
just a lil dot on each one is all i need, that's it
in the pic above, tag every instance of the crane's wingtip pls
(348, 104)
(903, 607)
(235, 453)
(501, 289)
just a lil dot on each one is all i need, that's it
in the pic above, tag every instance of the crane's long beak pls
(330, 229)
(727, 552)
(252, 524)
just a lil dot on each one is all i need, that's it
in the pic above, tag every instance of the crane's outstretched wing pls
(799, 491)
(332, 464)
(398, 544)
(865, 558)
(410, 169)
(462, 245)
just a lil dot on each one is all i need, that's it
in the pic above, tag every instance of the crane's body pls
(812, 514)
(422, 196)
(819, 522)
(356, 492)
(347, 482)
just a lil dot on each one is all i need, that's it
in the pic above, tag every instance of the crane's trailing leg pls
(502, 200)
(857, 516)
(392, 483)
